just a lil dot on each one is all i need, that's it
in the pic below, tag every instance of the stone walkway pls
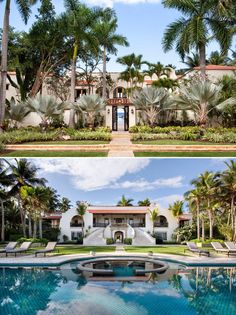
(120, 145)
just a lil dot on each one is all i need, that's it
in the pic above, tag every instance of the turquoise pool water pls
(179, 291)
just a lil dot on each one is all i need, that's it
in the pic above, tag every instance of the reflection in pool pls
(179, 290)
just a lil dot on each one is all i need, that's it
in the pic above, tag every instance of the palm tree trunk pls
(198, 223)
(72, 87)
(232, 217)
(203, 230)
(104, 79)
(22, 216)
(30, 225)
(202, 56)
(35, 228)
(3, 78)
(40, 227)
(2, 222)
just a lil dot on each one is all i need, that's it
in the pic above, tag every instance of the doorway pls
(120, 118)
(119, 237)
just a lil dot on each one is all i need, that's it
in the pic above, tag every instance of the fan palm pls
(91, 105)
(200, 24)
(124, 202)
(46, 107)
(150, 100)
(201, 97)
(16, 113)
(105, 31)
(24, 7)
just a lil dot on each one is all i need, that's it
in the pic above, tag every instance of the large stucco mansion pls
(118, 101)
(103, 222)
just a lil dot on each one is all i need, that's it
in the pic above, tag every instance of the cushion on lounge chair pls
(231, 246)
(9, 246)
(218, 247)
(49, 248)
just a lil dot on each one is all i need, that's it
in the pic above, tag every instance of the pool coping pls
(57, 261)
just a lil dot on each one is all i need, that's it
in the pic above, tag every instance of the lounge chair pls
(219, 248)
(9, 246)
(231, 247)
(192, 247)
(22, 249)
(51, 247)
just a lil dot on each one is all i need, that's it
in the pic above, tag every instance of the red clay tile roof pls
(217, 67)
(118, 210)
(52, 217)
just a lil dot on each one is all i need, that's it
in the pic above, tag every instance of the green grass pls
(178, 142)
(38, 153)
(74, 142)
(185, 154)
(173, 250)
(75, 249)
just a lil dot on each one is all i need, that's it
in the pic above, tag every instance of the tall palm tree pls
(24, 174)
(79, 20)
(194, 198)
(65, 204)
(24, 7)
(177, 208)
(201, 97)
(125, 202)
(81, 208)
(228, 182)
(153, 216)
(199, 24)
(144, 203)
(105, 31)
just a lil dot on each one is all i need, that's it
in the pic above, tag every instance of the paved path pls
(120, 145)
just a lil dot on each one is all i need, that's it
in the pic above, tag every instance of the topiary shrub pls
(128, 241)
(110, 241)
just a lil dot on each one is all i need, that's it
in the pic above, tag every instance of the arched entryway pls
(119, 237)
(120, 118)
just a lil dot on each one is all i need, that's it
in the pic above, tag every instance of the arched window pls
(119, 92)
(161, 221)
(76, 221)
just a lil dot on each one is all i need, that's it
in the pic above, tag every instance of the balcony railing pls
(100, 224)
(158, 224)
(76, 225)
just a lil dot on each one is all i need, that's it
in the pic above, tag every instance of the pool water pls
(178, 291)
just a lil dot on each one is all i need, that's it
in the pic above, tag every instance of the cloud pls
(169, 199)
(142, 184)
(92, 174)
(110, 3)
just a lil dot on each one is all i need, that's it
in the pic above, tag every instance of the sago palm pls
(24, 7)
(199, 24)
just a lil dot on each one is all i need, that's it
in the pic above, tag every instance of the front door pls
(114, 118)
(126, 118)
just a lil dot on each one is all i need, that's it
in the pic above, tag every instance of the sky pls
(142, 21)
(104, 181)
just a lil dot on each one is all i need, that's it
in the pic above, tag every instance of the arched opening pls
(76, 221)
(119, 237)
(161, 221)
(119, 92)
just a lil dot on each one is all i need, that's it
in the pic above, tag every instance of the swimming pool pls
(179, 290)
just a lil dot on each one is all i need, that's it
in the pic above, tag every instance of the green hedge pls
(109, 241)
(128, 241)
(33, 240)
(24, 135)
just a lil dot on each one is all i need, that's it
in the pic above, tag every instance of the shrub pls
(128, 241)
(33, 240)
(65, 238)
(51, 234)
(109, 241)
(188, 136)
(14, 237)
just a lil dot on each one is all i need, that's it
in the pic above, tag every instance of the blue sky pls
(103, 181)
(141, 21)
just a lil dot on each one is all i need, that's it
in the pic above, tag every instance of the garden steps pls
(184, 148)
(120, 145)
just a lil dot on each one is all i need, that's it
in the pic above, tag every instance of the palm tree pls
(81, 208)
(194, 198)
(24, 173)
(125, 202)
(105, 31)
(200, 24)
(217, 58)
(153, 216)
(150, 100)
(201, 97)
(24, 9)
(91, 105)
(177, 208)
(79, 20)
(144, 203)
(192, 61)
(65, 205)
(228, 182)
(16, 113)
(46, 107)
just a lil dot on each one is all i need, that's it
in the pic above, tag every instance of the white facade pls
(118, 223)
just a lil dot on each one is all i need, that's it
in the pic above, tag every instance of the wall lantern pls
(108, 111)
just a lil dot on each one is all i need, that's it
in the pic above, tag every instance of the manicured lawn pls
(162, 249)
(75, 249)
(178, 142)
(38, 153)
(185, 154)
(74, 142)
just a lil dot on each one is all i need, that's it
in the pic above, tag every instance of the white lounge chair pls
(22, 249)
(231, 247)
(51, 247)
(219, 248)
(192, 247)
(9, 246)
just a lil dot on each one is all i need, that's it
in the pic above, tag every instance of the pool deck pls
(57, 260)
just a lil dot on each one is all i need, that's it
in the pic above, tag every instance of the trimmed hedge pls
(109, 241)
(128, 241)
